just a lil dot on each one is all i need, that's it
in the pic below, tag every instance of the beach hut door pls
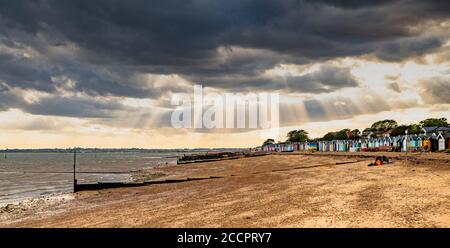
(441, 145)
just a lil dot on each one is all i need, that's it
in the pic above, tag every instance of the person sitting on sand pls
(380, 160)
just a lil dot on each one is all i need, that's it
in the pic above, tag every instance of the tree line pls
(383, 126)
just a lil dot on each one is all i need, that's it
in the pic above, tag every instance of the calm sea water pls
(28, 175)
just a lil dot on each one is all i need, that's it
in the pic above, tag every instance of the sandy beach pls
(281, 190)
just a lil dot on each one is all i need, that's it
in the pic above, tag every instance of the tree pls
(414, 129)
(355, 134)
(384, 125)
(400, 130)
(297, 136)
(343, 134)
(368, 129)
(268, 142)
(434, 122)
(329, 136)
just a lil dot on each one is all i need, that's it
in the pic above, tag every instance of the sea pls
(31, 175)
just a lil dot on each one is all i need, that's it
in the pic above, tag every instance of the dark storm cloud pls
(351, 4)
(188, 32)
(8, 100)
(24, 73)
(74, 107)
(115, 41)
(64, 106)
(326, 79)
(399, 49)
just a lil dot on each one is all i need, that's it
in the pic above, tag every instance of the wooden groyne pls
(188, 159)
(110, 185)
(219, 156)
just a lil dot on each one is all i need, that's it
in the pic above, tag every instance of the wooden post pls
(406, 143)
(74, 170)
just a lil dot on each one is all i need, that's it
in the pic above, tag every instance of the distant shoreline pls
(90, 150)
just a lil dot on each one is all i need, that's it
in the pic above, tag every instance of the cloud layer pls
(85, 59)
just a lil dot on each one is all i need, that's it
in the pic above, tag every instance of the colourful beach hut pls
(441, 142)
(312, 146)
(426, 143)
(447, 138)
(364, 143)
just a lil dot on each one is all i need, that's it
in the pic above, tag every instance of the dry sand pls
(271, 191)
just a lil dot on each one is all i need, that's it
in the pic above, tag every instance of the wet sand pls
(270, 191)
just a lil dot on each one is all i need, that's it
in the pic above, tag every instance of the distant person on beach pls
(380, 160)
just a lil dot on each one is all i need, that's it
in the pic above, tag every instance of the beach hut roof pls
(434, 129)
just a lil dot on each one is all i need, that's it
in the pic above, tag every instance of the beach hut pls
(287, 147)
(434, 142)
(395, 141)
(272, 148)
(354, 146)
(426, 143)
(364, 143)
(418, 142)
(401, 141)
(343, 146)
(388, 141)
(312, 146)
(441, 142)
(447, 140)
(325, 146)
(276, 148)
(338, 145)
(405, 145)
(415, 143)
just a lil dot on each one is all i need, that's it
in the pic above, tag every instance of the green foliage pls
(297, 136)
(355, 134)
(384, 125)
(369, 129)
(329, 136)
(431, 122)
(414, 129)
(268, 142)
(400, 130)
(342, 135)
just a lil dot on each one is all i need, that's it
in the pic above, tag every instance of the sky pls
(102, 73)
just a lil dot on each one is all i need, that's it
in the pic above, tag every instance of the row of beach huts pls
(437, 139)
